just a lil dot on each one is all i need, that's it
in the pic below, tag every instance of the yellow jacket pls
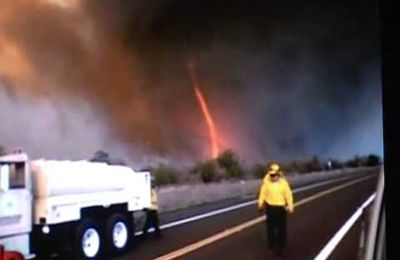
(153, 200)
(276, 193)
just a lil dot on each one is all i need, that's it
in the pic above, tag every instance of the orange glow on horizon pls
(206, 112)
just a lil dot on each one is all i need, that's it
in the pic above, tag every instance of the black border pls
(390, 32)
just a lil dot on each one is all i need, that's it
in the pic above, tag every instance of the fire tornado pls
(206, 111)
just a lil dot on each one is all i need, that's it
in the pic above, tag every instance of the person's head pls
(153, 182)
(273, 168)
(274, 176)
(273, 171)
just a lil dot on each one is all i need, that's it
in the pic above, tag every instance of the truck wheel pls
(118, 234)
(88, 240)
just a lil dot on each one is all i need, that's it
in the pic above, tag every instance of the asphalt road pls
(310, 227)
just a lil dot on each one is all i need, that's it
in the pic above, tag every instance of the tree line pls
(227, 166)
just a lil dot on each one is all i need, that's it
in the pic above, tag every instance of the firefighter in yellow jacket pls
(275, 197)
(152, 213)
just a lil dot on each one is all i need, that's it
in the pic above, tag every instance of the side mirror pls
(4, 177)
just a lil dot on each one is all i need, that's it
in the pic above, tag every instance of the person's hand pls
(260, 209)
(289, 209)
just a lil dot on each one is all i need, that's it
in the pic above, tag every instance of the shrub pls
(314, 165)
(2, 150)
(101, 156)
(299, 166)
(164, 174)
(258, 170)
(355, 162)
(373, 160)
(207, 171)
(336, 164)
(229, 162)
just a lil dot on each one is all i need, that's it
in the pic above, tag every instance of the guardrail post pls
(365, 223)
(361, 248)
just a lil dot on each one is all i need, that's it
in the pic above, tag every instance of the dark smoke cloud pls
(284, 79)
(75, 53)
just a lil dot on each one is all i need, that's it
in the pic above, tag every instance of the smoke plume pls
(284, 80)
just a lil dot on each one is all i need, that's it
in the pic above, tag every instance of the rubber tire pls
(112, 250)
(82, 227)
(41, 253)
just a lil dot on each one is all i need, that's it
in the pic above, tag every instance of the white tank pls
(54, 178)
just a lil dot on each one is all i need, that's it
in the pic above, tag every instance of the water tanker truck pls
(77, 207)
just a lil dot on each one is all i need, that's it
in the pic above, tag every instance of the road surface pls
(237, 234)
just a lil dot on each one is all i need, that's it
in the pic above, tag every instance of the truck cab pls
(15, 203)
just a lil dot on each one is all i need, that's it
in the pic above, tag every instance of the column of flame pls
(205, 110)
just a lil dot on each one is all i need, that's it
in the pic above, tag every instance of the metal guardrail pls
(337, 238)
(370, 248)
(375, 240)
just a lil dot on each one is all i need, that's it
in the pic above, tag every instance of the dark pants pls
(276, 227)
(151, 221)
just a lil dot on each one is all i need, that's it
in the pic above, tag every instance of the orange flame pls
(206, 112)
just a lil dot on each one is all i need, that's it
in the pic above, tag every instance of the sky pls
(284, 80)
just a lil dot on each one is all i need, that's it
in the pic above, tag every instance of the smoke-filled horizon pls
(283, 80)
